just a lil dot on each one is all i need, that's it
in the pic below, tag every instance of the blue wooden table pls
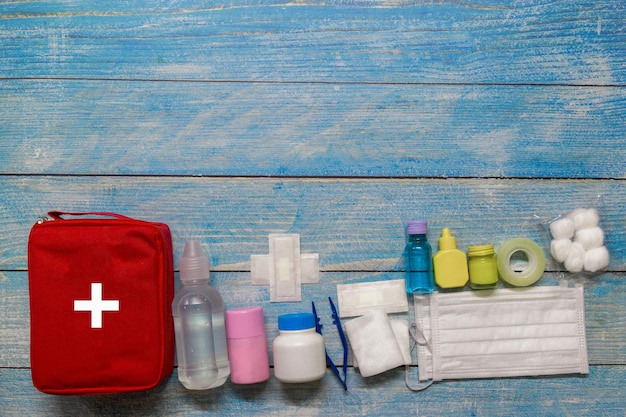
(337, 120)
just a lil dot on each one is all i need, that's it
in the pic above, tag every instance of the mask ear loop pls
(418, 339)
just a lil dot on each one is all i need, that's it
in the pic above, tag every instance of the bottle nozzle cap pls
(447, 241)
(194, 264)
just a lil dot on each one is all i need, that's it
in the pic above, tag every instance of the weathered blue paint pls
(355, 225)
(477, 42)
(234, 129)
(337, 120)
(523, 396)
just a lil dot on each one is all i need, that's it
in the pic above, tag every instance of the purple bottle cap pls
(417, 227)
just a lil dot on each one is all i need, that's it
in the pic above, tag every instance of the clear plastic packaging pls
(578, 242)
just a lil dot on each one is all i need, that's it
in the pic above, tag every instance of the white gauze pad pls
(374, 343)
(401, 330)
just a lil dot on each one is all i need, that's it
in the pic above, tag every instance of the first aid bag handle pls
(58, 215)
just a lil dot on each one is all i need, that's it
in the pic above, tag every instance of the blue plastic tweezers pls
(344, 343)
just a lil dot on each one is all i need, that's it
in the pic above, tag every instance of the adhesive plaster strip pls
(260, 269)
(358, 299)
(309, 266)
(285, 272)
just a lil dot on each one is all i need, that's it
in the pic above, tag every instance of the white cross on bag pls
(96, 305)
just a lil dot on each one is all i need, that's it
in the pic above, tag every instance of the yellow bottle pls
(450, 264)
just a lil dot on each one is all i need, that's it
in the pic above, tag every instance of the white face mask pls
(501, 333)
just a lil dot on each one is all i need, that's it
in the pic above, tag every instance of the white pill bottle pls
(298, 351)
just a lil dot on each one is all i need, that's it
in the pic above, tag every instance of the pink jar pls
(247, 345)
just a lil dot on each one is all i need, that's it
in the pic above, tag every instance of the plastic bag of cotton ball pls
(578, 241)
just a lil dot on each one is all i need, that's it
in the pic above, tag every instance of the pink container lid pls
(244, 322)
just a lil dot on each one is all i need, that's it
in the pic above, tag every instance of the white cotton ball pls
(590, 238)
(576, 258)
(584, 218)
(562, 228)
(559, 248)
(575, 212)
(596, 259)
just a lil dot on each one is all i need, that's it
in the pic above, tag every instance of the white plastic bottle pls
(198, 311)
(299, 353)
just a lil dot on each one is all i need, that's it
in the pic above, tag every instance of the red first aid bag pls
(101, 291)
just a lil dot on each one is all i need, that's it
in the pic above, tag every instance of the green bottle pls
(483, 270)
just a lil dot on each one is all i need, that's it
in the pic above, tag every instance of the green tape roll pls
(520, 262)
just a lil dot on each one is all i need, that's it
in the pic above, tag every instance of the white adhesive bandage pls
(284, 269)
(310, 268)
(358, 299)
(260, 269)
(285, 278)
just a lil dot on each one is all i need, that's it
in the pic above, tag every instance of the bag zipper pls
(42, 219)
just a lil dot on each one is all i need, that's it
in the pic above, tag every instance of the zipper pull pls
(42, 219)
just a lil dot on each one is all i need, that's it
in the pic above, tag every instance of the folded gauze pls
(401, 330)
(374, 343)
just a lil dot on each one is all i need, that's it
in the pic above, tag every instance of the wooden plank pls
(598, 394)
(354, 224)
(338, 41)
(605, 305)
(360, 130)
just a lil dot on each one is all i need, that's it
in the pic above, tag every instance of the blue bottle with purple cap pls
(418, 257)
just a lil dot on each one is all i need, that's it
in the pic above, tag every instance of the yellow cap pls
(447, 241)
(480, 250)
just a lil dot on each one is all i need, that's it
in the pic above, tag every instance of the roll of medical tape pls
(528, 270)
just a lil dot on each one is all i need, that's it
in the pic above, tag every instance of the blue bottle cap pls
(296, 321)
